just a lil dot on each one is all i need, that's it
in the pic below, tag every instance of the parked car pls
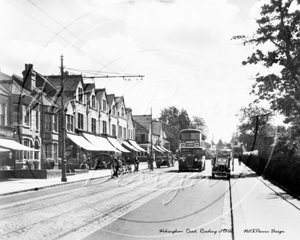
(162, 160)
(221, 164)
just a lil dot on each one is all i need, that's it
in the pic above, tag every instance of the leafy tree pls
(279, 26)
(199, 123)
(255, 127)
(174, 121)
(220, 144)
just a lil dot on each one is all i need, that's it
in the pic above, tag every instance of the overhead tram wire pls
(104, 74)
(63, 27)
(57, 34)
(92, 71)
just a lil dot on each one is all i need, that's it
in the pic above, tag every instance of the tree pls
(279, 26)
(174, 121)
(255, 127)
(220, 144)
(199, 123)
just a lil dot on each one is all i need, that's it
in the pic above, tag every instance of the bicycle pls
(150, 166)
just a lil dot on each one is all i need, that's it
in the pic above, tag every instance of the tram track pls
(93, 207)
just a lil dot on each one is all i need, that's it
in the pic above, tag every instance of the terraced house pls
(30, 111)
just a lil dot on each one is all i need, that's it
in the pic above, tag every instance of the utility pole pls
(63, 124)
(151, 149)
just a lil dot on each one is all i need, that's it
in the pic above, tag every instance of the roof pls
(70, 81)
(110, 98)
(157, 127)
(144, 120)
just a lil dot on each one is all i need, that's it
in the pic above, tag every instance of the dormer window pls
(80, 95)
(93, 102)
(104, 105)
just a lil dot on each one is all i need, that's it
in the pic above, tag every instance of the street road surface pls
(153, 205)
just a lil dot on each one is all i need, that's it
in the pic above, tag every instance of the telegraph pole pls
(63, 123)
(151, 149)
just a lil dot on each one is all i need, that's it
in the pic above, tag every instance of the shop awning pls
(159, 148)
(165, 149)
(117, 145)
(129, 146)
(82, 142)
(133, 143)
(11, 144)
(4, 150)
(156, 149)
(101, 143)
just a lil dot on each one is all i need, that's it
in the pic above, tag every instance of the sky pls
(183, 48)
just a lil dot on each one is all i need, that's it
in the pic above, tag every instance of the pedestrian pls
(115, 166)
(150, 162)
(136, 164)
(240, 159)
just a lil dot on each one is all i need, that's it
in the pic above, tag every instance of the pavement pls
(262, 210)
(17, 185)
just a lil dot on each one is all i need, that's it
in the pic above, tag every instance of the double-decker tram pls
(192, 150)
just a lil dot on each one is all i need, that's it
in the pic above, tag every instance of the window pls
(16, 115)
(114, 130)
(124, 132)
(48, 122)
(55, 123)
(143, 137)
(26, 153)
(104, 105)
(2, 114)
(27, 116)
(48, 150)
(70, 123)
(55, 152)
(93, 126)
(120, 132)
(37, 124)
(122, 112)
(104, 127)
(80, 95)
(114, 111)
(93, 102)
(80, 121)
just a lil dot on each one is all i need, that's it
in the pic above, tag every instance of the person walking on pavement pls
(115, 166)
(136, 164)
(240, 159)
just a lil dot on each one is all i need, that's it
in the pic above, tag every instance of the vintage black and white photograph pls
(150, 119)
